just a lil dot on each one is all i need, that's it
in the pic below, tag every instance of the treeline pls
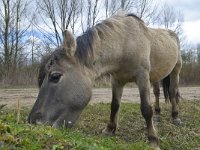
(190, 74)
(31, 28)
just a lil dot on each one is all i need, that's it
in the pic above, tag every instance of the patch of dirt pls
(28, 96)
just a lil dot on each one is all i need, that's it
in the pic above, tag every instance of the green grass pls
(86, 134)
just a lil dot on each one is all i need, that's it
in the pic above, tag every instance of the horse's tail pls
(166, 84)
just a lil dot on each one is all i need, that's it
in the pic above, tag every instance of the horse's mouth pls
(66, 124)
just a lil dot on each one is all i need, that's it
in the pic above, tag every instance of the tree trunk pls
(6, 34)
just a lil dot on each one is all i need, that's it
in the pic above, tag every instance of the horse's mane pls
(136, 17)
(88, 41)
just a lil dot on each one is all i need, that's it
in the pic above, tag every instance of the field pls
(15, 133)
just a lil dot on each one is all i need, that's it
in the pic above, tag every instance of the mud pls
(27, 97)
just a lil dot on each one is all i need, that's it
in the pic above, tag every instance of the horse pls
(121, 46)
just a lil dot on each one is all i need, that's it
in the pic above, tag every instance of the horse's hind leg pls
(117, 89)
(173, 92)
(156, 91)
(143, 83)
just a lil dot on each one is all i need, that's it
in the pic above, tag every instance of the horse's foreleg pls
(146, 108)
(117, 90)
(156, 91)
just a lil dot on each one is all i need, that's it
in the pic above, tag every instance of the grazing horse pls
(122, 46)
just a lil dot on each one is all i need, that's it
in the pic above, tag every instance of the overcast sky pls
(191, 12)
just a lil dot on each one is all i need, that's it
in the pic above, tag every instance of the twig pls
(18, 110)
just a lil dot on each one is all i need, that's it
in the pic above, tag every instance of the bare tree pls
(75, 15)
(5, 19)
(56, 16)
(168, 16)
(92, 11)
(106, 7)
(123, 4)
(147, 10)
(113, 6)
(198, 54)
(144, 9)
(173, 19)
(12, 31)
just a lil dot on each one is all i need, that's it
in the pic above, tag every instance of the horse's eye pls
(54, 77)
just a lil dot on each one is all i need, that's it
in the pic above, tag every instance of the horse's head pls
(64, 88)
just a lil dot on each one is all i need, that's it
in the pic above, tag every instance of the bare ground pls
(28, 96)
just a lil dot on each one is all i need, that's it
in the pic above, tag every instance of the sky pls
(191, 12)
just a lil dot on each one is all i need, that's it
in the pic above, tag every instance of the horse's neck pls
(104, 60)
(105, 53)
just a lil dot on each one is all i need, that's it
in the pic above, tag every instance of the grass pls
(86, 134)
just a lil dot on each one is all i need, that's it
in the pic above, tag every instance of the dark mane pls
(89, 40)
(135, 16)
(84, 50)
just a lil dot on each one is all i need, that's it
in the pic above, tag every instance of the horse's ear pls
(69, 43)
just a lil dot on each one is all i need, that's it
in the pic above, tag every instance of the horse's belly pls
(159, 75)
(160, 68)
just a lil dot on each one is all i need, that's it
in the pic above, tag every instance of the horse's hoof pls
(108, 132)
(156, 118)
(177, 121)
